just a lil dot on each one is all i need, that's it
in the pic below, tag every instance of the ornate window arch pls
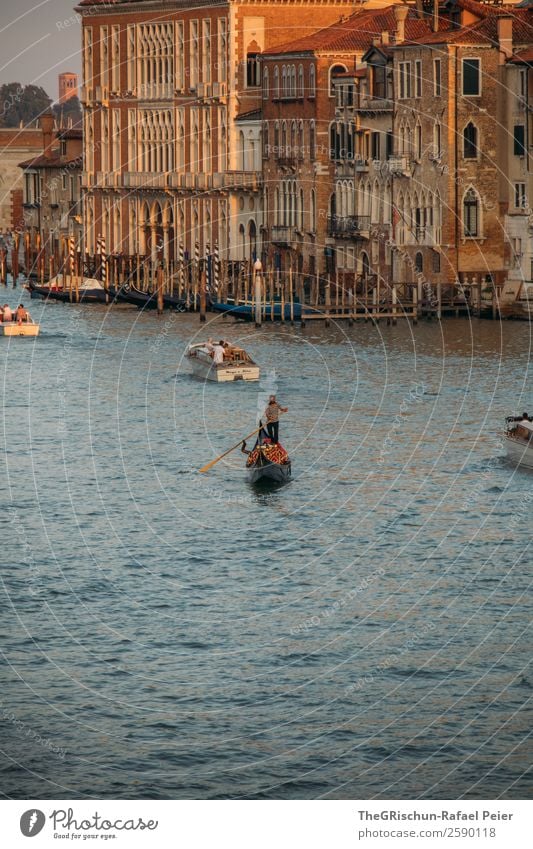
(276, 83)
(312, 81)
(471, 214)
(300, 80)
(470, 141)
(266, 87)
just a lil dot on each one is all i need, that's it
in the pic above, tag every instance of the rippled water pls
(361, 632)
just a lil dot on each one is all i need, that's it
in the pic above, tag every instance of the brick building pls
(15, 144)
(68, 86)
(169, 91)
(52, 189)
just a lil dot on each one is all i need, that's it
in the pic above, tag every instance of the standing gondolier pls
(272, 418)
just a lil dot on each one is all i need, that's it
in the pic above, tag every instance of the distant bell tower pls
(68, 86)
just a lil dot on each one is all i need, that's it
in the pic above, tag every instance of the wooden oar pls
(213, 462)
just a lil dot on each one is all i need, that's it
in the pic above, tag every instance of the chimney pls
(385, 38)
(400, 14)
(47, 126)
(419, 9)
(505, 37)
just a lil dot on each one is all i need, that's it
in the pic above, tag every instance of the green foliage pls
(70, 109)
(21, 103)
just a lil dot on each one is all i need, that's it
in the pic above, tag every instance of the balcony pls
(282, 235)
(249, 180)
(348, 227)
(400, 166)
(360, 165)
(288, 160)
(375, 104)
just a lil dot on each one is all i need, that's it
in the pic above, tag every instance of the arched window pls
(332, 140)
(312, 141)
(301, 210)
(312, 81)
(470, 141)
(276, 83)
(471, 221)
(276, 138)
(300, 80)
(313, 210)
(419, 263)
(265, 84)
(293, 81)
(418, 141)
(284, 81)
(335, 69)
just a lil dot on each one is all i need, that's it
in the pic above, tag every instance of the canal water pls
(362, 632)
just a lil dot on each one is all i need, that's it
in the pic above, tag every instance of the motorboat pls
(270, 310)
(519, 441)
(25, 328)
(268, 462)
(237, 365)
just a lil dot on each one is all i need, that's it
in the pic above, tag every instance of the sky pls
(40, 39)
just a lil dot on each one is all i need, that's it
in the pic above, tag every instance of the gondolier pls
(272, 418)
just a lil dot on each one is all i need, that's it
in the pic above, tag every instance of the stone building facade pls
(52, 189)
(166, 90)
(15, 144)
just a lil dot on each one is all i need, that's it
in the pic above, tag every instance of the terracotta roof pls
(251, 115)
(524, 56)
(70, 133)
(53, 161)
(355, 33)
(485, 31)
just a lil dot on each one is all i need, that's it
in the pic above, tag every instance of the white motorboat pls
(25, 328)
(237, 365)
(519, 442)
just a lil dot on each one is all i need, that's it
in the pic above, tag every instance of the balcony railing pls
(250, 180)
(283, 235)
(348, 226)
(399, 165)
(375, 104)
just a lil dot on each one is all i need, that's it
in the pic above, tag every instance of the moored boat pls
(519, 441)
(268, 462)
(270, 311)
(237, 365)
(69, 288)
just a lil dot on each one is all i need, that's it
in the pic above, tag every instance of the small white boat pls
(237, 365)
(25, 328)
(519, 442)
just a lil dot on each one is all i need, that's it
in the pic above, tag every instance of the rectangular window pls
(436, 262)
(64, 182)
(390, 144)
(520, 200)
(519, 148)
(471, 77)
(522, 82)
(405, 80)
(376, 145)
(437, 83)
(418, 78)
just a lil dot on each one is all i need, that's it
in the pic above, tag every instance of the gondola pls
(148, 300)
(246, 310)
(268, 462)
(87, 290)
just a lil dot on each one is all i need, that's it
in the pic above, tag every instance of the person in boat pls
(21, 314)
(272, 417)
(525, 418)
(218, 353)
(7, 313)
